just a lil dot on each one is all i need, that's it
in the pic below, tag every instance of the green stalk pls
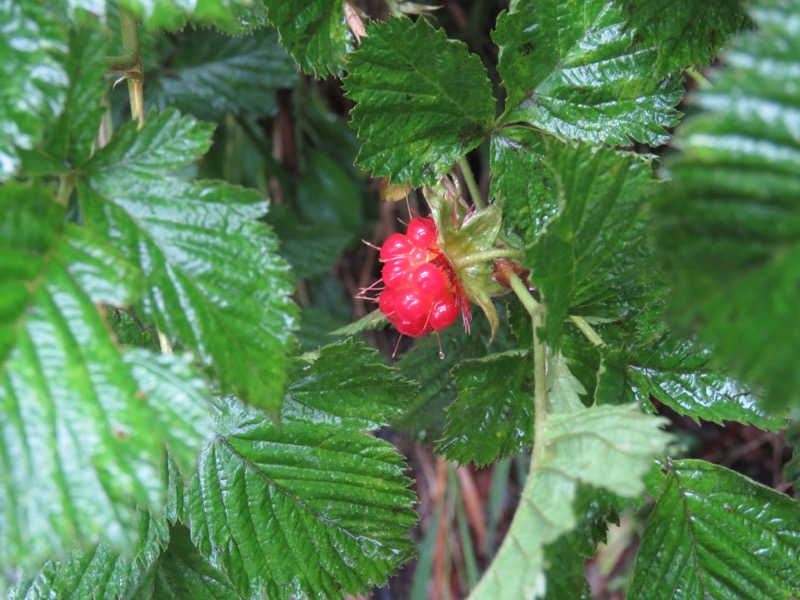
(587, 330)
(472, 186)
(487, 255)
(698, 77)
(66, 183)
(130, 63)
(536, 311)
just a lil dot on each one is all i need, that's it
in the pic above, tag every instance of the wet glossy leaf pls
(72, 139)
(83, 423)
(32, 46)
(345, 385)
(679, 374)
(311, 249)
(304, 509)
(424, 413)
(181, 572)
(728, 224)
(574, 256)
(604, 446)
(99, 572)
(422, 101)
(709, 519)
(493, 415)
(211, 74)
(215, 281)
(173, 14)
(570, 68)
(685, 33)
(314, 32)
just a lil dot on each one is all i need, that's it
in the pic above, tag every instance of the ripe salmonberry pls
(421, 293)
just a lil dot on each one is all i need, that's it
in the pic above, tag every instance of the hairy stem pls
(130, 63)
(539, 392)
(66, 183)
(698, 77)
(524, 295)
(587, 330)
(487, 255)
(536, 311)
(472, 186)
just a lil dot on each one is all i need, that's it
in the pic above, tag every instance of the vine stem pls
(472, 185)
(487, 255)
(130, 63)
(698, 77)
(536, 311)
(587, 330)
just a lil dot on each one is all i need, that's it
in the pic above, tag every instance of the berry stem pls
(472, 186)
(537, 313)
(524, 295)
(487, 255)
(587, 330)
(698, 77)
(130, 63)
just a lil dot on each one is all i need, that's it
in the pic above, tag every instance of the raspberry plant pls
(177, 419)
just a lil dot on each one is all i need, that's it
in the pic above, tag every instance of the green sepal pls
(461, 239)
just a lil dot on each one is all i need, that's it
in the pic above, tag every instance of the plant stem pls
(487, 255)
(524, 295)
(587, 330)
(66, 183)
(536, 311)
(698, 77)
(539, 392)
(472, 186)
(130, 63)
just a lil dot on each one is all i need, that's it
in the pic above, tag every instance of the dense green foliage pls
(184, 412)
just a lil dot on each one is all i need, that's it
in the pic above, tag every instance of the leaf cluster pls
(175, 419)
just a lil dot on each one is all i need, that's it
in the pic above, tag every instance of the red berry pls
(395, 272)
(386, 302)
(430, 281)
(420, 293)
(409, 306)
(422, 232)
(444, 313)
(396, 245)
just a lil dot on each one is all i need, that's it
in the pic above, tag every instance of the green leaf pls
(166, 143)
(173, 14)
(210, 74)
(311, 249)
(306, 509)
(574, 256)
(679, 374)
(611, 447)
(424, 414)
(101, 428)
(99, 572)
(182, 572)
(728, 223)
(684, 32)
(346, 386)
(566, 557)
(716, 534)
(83, 424)
(415, 116)
(73, 137)
(493, 415)
(570, 68)
(32, 46)
(214, 279)
(314, 32)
